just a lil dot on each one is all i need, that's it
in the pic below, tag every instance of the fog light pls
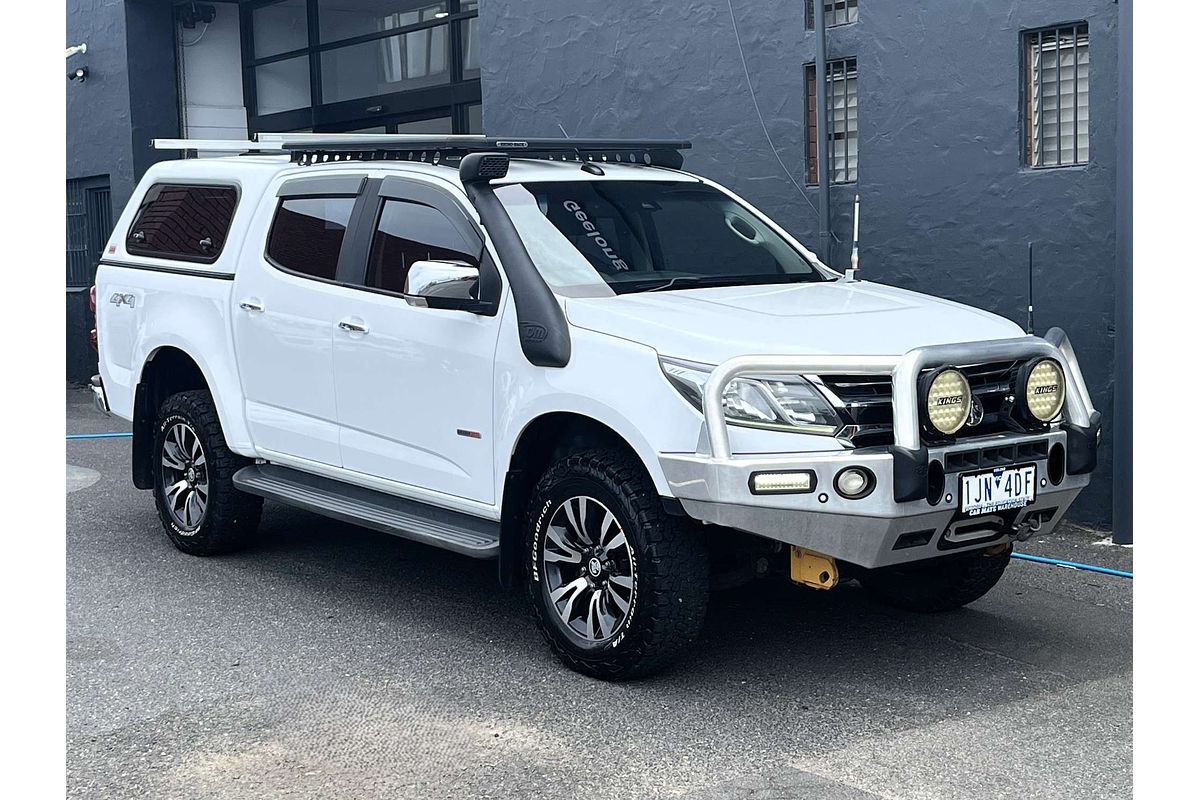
(1045, 389)
(854, 482)
(947, 396)
(795, 482)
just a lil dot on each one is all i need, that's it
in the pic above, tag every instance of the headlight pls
(1045, 389)
(947, 401)
(778, 402)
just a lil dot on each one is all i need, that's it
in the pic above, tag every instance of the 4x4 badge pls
(119, 299)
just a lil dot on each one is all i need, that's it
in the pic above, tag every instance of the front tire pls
(618, 586)
(942, 584)
(201, 511)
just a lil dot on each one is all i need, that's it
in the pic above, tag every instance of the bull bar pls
(712, 484)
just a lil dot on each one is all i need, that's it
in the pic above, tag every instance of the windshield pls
(596, 238)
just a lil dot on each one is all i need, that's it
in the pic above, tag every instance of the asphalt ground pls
(331, 661)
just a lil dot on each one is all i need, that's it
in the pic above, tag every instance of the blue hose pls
(98, 435)
(1073, 565)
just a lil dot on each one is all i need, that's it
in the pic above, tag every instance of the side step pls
(450, 530)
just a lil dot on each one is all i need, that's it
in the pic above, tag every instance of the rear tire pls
(201, 511)
(941, 584)
(618, 586)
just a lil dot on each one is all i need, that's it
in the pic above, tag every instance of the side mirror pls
(443, 284)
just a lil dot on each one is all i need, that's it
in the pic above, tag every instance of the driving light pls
(1045, 389)
(854, 482)
(797, 482)
(779, 402)
(948, 401)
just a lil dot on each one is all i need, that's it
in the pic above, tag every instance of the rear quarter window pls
(183, 221)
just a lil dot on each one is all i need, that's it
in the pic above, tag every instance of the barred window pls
(1056, 96)
(89, 222)
(841, 104)
(837, 12)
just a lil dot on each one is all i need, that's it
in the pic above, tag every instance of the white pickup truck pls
(618, 379)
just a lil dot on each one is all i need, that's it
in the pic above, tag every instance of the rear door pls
(284, 317)
(414, 384)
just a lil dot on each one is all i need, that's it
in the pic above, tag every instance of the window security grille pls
(837, 12)
(89, 222)
(1056, 96)
(841, 104)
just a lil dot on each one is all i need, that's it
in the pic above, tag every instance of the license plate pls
(994, 490)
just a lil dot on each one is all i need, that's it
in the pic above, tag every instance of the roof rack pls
(318, 148)
(192, 146)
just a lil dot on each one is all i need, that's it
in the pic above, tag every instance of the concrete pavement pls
(331, 661)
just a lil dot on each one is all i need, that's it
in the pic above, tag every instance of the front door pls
(414, 384)
(284, 302)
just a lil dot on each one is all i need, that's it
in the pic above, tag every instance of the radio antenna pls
(852, 273)
(1029, 317)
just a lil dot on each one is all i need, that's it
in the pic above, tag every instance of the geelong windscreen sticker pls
(592, 233)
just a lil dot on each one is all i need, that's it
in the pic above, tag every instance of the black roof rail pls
(319, 148)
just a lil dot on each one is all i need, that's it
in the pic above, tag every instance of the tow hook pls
(813, 569)
(1028, 528)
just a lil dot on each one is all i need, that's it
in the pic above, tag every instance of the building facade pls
(223, 70)
(980, 136)
(970, 130)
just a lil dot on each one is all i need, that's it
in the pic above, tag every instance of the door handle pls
(251, 304)
(352, 327)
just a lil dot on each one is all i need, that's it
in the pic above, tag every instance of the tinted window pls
(699, 237)
(632, 236)
(307, 234)
(411, 232)
(184, 222)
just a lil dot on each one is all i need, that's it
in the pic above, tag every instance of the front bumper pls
(893, 524)
(873, 531)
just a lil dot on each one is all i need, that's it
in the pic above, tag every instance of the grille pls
(867, 401)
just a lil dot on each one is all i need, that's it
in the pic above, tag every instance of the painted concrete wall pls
(128, 98)
(98, 122)
(947, 206)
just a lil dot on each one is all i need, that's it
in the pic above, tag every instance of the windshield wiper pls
(699, 281)
(672, 281)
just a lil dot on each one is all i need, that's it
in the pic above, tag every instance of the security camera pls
(188, 14)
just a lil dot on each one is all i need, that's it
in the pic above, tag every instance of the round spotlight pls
(947, 401)
(1045, 389)
(854, 482)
